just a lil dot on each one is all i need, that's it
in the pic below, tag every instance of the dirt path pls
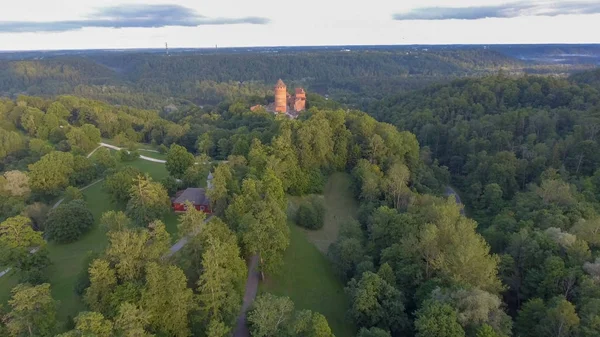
(241, 329)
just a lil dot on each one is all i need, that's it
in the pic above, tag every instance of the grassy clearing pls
(340, 207)
(307, 278)
(67, 260)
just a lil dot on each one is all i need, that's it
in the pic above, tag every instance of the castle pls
(290, 105)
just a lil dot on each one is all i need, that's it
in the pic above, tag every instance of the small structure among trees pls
(196, 196)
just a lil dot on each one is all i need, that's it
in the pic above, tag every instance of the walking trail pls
(241, 329)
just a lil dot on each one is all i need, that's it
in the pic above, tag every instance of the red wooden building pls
(197, 196)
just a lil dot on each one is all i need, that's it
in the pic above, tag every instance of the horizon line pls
(307, 46)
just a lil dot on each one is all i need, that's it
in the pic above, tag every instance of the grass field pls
(307, 277)
(340, 207)
(67, 260)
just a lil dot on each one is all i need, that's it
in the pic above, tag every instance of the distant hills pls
(351, 74)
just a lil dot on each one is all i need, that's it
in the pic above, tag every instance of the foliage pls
(311, 213)
(72, 193)
(51, 173)
(178, 160)
(119, 184)
(33, 311)
(148, 201)
(438, 320)
(17, 240)
(68, 222)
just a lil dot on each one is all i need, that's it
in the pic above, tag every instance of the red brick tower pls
(280, 97)
(300, 100)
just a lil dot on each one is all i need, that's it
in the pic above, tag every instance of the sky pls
(118, 24)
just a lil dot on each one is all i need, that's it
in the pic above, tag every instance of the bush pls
(73, 193)
(311, 213)
(125, 156)
(68, 222)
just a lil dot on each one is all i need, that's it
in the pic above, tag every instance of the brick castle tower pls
(280, 97)
(300, 100)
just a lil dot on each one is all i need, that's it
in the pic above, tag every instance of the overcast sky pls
(87, 24)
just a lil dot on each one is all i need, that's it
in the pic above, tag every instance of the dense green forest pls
(519, 258)
(524, 153)
(149, 80)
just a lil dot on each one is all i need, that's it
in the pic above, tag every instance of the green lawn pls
(340, 207)
(67, 260)
(307, 278)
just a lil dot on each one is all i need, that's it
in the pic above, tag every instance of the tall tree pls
(270, 315)
(167, 299)
(33, 311)
(148, 201)
(178, 160)
(50, 175)
(438, 320)
(221, 284)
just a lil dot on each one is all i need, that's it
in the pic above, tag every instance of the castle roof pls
(280, 83)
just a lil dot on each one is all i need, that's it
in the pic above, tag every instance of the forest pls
(477, 199)
(153, 80)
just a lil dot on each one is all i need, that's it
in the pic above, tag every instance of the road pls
(241, 328)
(450, 191)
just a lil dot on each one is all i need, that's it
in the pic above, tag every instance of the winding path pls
(241, 328)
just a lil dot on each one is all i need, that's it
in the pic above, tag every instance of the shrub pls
(311, 213)
(73, 193)
(125, 156)
(68, 222)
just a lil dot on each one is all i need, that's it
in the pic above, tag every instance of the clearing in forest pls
(307, 276)
(340, 207)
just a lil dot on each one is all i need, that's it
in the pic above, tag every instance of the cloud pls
(509, 10)
(129, 16)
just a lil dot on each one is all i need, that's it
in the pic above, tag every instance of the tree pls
(557, 318)
(311, 213)
(104, 159)
(15, 183)
(395, 181)
(178, 160)
(72, 193)
(270, 315)
(148, 201)
(84, 171)
(50, 175)
(10, 142)
(115, 221)
(374, 302)
(437, 320)
(17, 240)
(69, 221)
(448, 239)
(119, 184)
(475, 307)
(221, 284)
(84, 139)
(132, 321)
(310, 324)
(33, 311)
(222, 184)
(103, 280)
(167, 299)
(90, 324)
